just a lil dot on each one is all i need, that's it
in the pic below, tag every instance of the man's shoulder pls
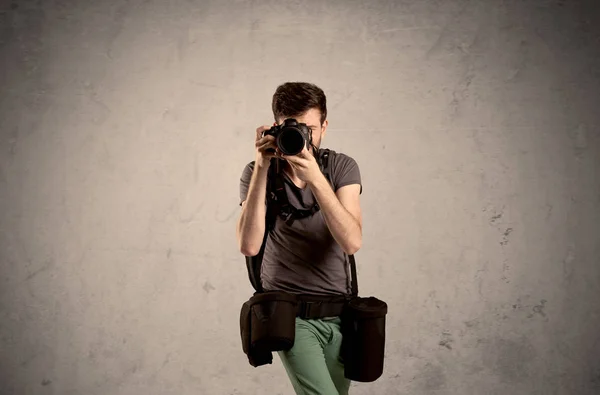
(343, 169)
(337, 157)
(248, 170)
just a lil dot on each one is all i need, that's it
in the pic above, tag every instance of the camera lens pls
(290, 141)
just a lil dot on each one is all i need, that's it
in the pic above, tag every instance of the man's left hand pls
(305, 165)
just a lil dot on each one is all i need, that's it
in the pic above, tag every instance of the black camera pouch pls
(268, 323)
(363, 344)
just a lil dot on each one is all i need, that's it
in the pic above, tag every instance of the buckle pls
(306, 308)
(288, 218)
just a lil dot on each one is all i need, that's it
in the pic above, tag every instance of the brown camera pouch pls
(363, 344)
(268, 323)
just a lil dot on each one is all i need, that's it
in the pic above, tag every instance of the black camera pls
(291, 137)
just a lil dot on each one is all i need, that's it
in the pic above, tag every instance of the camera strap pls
(279, 197)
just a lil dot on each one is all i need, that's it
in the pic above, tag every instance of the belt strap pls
(312, 308)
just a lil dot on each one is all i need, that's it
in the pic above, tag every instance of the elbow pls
(249, 250)
(352, 248)
(246, 247)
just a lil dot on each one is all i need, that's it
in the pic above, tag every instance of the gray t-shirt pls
(304, 257)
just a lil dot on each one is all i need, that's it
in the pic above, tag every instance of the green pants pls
(314, 364)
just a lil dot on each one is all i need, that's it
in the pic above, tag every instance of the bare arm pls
(250, 228)
(342, 212)
(251, 224)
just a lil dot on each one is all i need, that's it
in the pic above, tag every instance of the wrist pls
(261, 166)
(317, 181)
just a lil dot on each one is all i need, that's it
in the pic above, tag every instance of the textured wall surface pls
(125, 126)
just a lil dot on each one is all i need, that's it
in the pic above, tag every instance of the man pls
(310, 256)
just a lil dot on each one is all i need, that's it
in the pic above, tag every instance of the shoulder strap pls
(324, 164)
(353, 275)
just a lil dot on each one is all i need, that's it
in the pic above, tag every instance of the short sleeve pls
(345, 172)
(245, 181)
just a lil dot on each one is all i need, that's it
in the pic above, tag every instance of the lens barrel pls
(291, 140)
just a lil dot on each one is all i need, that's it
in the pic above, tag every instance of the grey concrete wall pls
(125, 127)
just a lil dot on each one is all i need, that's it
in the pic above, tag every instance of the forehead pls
(311, 118)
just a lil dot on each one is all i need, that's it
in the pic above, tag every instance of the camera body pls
(290, 137)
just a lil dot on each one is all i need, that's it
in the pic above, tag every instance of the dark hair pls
(295, 98)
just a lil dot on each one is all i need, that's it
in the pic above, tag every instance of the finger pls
(266, 146)
(260, 130)
(292, 159)
(264, 140)
(292, 163)
(303, 154)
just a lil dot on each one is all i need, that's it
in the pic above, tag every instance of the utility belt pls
(268, 324)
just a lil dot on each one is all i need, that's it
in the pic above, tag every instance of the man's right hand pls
(262, 144)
